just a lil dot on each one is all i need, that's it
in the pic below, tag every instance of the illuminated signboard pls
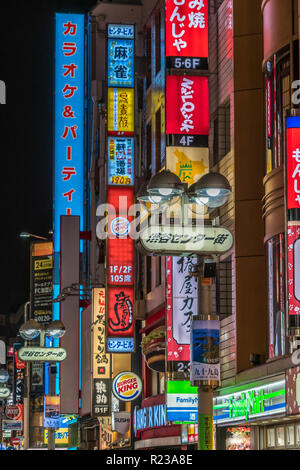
(120, 62)
(187, 106)
(119, 243)
(125, 31)
(120, 318)
(187, 28)
(101, 360)
(182, 302)
(189, 164)
(293, 202)
(41, 281)
(120, 161)
(69, 119)
(205, 362)
(121, 111)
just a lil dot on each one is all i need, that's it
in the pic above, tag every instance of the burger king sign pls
(127, 386)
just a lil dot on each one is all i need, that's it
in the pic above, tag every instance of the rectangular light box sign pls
(120, 161)
(187, 28)
(205, 362)
(69, 119)
(187, 105)
(120, 62)
(121, 111)
(120, 345)
(125, 31)
(101, 360)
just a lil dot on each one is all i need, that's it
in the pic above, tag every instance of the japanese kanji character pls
(121, 53)
(71, 90)
(70, 70)
(71, 29)
(197, 20)
(68, 171)
(69, 194)
(121, 71)
(69, 46)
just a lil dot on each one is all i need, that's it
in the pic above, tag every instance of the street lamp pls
(211, 190)
(32, 235)
(30, 330)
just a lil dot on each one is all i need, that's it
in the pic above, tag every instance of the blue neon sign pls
(120, 62)
(69, 120)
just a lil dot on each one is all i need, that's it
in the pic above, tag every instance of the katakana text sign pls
(187, 28)
(187, 106)
(186, 241)
(120, 63)
(69, 118)
(125, 31)
(120, 161)
(38, 354)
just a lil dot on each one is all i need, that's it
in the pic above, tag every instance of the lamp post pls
(211, 190)
(30, 330)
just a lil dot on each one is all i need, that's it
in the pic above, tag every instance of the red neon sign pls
(187, 105)
(187, 28)
(120, 246)
(120, 316)
(293, 167)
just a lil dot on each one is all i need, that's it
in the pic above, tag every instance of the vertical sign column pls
(120, 196)
(69, 126)
(293, 223)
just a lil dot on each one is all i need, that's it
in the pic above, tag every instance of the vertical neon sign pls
(69, 119)
(68, 131)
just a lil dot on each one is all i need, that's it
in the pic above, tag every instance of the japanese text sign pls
(120, 245)
(182, 302)
(120, 63)
(205, 362)
(120, 161)
(120, 312)
(293, 273)
(125, 31)
(121, 111)
(69, 119)
(41, 282)
(293, 162)
(187, 28)
(101, 397)
(101, 360)
(187, 107)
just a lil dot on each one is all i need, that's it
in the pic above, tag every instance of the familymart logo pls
(2, 92)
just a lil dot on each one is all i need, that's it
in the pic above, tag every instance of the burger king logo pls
(120, 227)
(127, 386)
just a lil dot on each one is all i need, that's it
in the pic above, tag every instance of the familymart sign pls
(239, 405)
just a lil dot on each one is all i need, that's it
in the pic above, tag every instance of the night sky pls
(26, 124)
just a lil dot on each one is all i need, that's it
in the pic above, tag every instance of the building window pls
(222, 133)
(276, 296)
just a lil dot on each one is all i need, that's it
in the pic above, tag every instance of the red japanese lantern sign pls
(187, 28)
(120, 322)
(187, 105)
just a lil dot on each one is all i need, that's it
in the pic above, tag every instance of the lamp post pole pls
(27, 389)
